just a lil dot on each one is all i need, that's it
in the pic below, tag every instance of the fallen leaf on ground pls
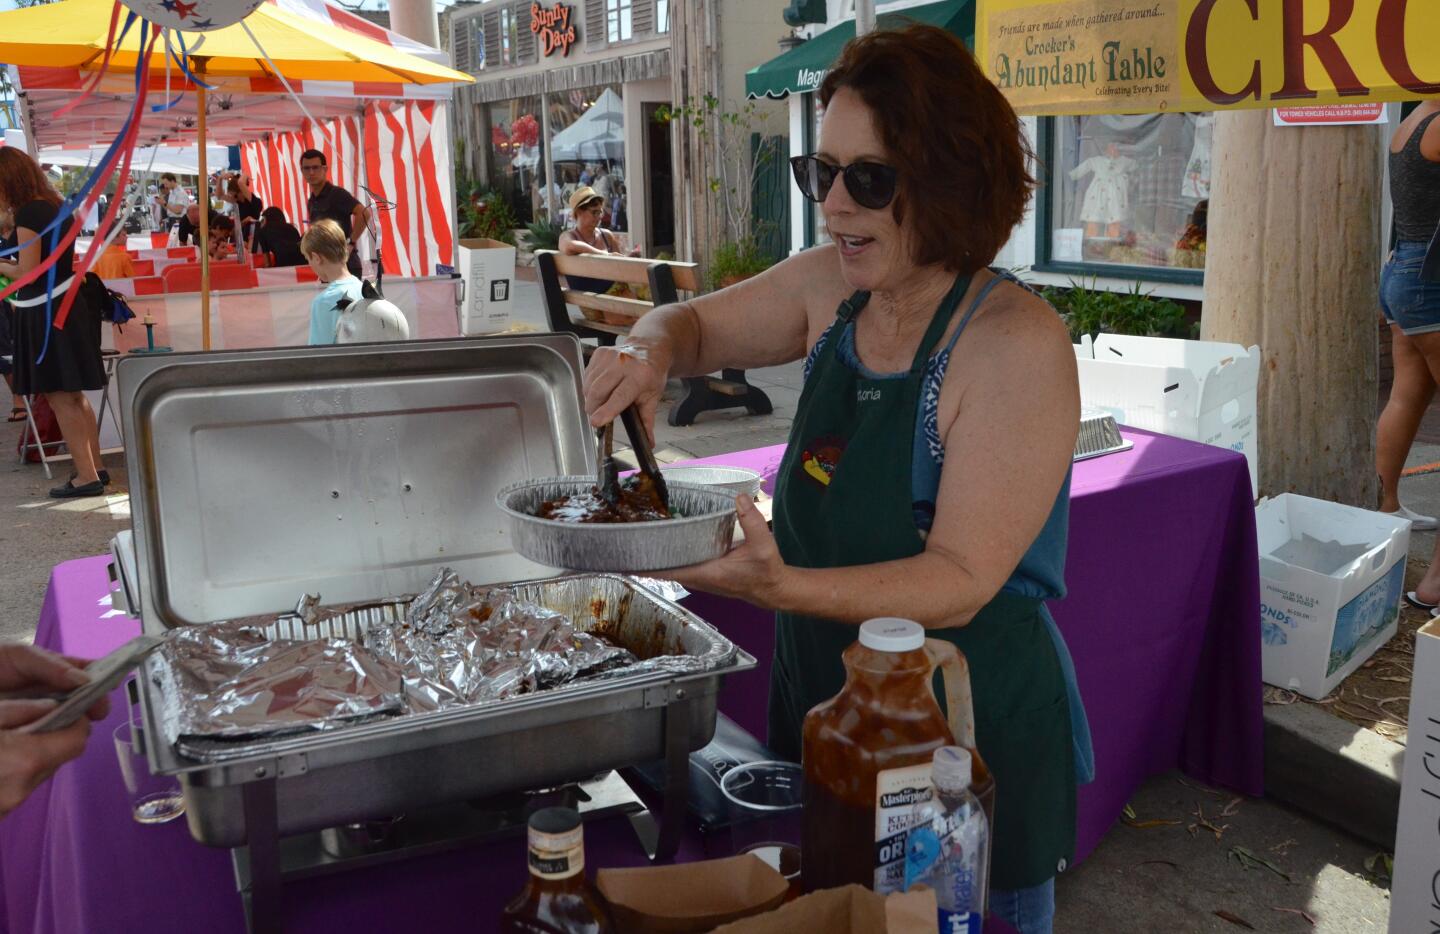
(1146, 824)
(1296, 911)
(1274, 695)
(1128, 813)
(1159, 862)
(1232, 808)
(1208, 791)
(1234, 919)
(1380, 865)
(1249, 860)
(1283, 847)
(1204, 823)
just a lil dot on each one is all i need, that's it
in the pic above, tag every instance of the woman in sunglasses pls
(927, 473)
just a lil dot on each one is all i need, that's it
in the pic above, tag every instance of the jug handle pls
(958, 702)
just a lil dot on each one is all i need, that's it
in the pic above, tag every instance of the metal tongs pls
(607, 469)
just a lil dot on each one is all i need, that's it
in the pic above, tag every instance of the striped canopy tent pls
(389, 137)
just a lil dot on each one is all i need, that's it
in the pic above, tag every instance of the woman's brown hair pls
(951, 136)
(21, 180)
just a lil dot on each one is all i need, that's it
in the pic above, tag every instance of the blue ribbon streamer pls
(142, 67)
(185, 64)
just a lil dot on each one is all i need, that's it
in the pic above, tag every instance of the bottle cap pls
(555, 820)
(950, 767)
(888, 634)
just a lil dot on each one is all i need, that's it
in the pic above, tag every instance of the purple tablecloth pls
(1161, 619)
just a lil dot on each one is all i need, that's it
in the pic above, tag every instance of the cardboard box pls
(1415, 885)
(1199, 390)
(488, 269)
(1330, 584)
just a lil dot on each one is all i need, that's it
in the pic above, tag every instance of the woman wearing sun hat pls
(587, 236)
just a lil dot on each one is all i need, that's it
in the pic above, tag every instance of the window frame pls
(619, 10)
(662, 16)
(1044, 234)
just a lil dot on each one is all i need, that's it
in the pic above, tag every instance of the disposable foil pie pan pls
(1098, 435)
(733, 480)
(703, 529)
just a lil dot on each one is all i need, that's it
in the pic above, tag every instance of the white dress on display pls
(1107, 199)
(1197, 170)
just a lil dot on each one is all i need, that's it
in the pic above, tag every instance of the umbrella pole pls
(204, 191)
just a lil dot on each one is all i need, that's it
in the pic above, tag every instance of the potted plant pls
(1088, 310)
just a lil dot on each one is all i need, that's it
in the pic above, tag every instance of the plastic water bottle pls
(948, 845)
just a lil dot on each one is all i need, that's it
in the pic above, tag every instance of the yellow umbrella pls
(73, 34)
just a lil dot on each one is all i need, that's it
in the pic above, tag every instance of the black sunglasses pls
(871, 184)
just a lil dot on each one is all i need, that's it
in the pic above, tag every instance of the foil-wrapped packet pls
(231, 681)
(458, 646)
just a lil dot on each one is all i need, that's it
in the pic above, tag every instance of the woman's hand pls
(752, 571)
(634, 251)
(632, 373)
(27, 759)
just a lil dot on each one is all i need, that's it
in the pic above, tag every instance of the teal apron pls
(843, 498)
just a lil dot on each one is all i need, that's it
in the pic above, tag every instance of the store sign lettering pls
(1389, 43)
(553, 27)
(810, 77)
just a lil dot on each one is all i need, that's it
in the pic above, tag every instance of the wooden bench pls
(607, 317)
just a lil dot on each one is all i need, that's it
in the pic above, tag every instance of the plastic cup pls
(765, 800)
(153, 799)
(159, 239)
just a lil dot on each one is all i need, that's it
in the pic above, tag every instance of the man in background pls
(327, 202)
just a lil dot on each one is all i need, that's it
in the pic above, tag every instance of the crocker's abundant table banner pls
(1134, 56)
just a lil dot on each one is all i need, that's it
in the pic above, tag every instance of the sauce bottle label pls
(897, 792)
(557, 856)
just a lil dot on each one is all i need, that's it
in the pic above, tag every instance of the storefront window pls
(509, 37)
(516, 167)
(818, 233)
(1129, 190)
(617, 20)
(588, 148)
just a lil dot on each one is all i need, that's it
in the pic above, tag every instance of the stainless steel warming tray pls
(356, 472)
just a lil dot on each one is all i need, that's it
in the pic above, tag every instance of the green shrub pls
(543, 234)
(737, 260)
(1088, 310)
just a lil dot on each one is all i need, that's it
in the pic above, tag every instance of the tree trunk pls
(1293, 266)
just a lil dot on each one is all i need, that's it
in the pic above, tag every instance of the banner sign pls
(1133, 56)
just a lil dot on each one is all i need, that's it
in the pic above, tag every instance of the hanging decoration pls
(193, 15)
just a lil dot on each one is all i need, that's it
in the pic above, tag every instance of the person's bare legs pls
(1428, 345)
(1410, 396)
(1428, 589)
(77, 427)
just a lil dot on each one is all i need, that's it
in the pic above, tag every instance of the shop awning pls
(1082, 57)
(803, 67)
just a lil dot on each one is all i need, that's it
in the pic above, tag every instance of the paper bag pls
(690, 896)
(853, 909)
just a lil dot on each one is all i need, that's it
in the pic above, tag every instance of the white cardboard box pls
(1330, 583)
(1415, 886)
(1199, 390)
(488, 269)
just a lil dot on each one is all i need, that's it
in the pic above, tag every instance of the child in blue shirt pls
(326, 249)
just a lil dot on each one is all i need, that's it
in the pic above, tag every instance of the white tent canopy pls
(597, 136)
(181, 160)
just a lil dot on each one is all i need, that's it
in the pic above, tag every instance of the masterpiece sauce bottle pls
(867, 755)
(556, 899)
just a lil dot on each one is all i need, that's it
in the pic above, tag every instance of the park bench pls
(607, 317)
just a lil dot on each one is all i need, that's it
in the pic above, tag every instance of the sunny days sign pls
(1132, 56)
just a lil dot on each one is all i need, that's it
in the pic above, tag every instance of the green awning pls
(803, 67)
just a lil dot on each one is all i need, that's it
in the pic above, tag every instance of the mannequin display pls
(1197, 170)
(1107, 198)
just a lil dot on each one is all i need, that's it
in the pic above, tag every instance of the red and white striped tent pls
(401, 129)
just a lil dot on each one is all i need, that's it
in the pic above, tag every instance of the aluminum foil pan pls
(704, 529)
(663, 638)
(1098, 435)
(733, 480)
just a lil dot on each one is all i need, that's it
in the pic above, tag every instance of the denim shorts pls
(1405, 298)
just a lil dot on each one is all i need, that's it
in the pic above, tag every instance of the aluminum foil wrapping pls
(452, 645)
(232, 681)
(459, 646)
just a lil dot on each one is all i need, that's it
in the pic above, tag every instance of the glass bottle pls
(557, 898)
